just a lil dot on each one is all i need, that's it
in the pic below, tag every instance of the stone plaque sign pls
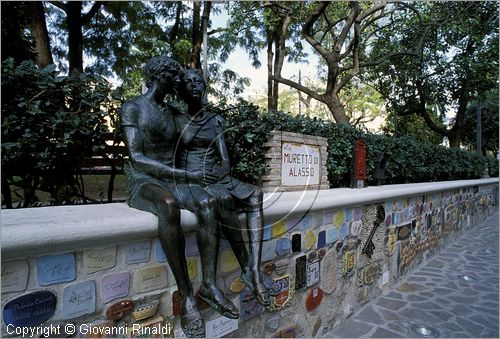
(150, 279)
(313, 273)
(15, 276)
(115, 286)
(98, 260)
(53, 269)
(220, 327)
(30, 309)
(301, 165)
(328, 271)
(137, 252)
(78, 299)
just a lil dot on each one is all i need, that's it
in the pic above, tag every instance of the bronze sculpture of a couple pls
(178, 159)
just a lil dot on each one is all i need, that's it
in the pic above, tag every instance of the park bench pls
(108, 162)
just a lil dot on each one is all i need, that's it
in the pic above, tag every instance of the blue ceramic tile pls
(191, 245)
(78, 299)
(268, 232)
(357, 213)
(283, 246)
(293, 224)
(137, 252)
(53, 269)
(348, 214)
(344, 231)
(306, 222)
(318, 219)
(30, 309)
(331, 235)
(159, 253)
(269, 249)
(321, 239)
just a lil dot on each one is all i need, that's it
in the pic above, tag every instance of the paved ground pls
(435, 296)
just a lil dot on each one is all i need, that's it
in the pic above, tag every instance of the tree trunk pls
(278, 65)
(38, 28)
(337, 109)
(196, 37)
(272, 104)
(75, 37)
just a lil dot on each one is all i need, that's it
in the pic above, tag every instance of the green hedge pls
(409, 160)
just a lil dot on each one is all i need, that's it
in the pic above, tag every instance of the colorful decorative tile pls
(369, 274)
(404, 232)
(313, 272)
(192, 266)
(355, 228)
(191, 245)
(281, 267)
(309, 239)
(313, 298)
(236, 285)
(150, 279)
(99, 259)
(15, 276)
(348, 214)
(53, 269)
(321, 239)
(300, 263)
(283, 246)
(293, 224)
(228, 261)
(137, 252)
(332, 235)
(159, 253)
(279, 228)
(348, 261)
(338, 218)
(176, 303)
(328, 271)
(30, 309)
(250, 309)
(328, 217)
(114, 286)
(357, 213)
(79, 299)
(318, 219)
(344, 231)
(306, 222)
(269, 249)
(296, 242)
(118, 310)
(280, 291)
(268, 232)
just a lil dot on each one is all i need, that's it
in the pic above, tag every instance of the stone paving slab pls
(434, 295)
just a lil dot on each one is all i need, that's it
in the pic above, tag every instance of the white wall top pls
(36, 231)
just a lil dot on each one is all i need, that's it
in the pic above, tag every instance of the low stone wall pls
(69, 264)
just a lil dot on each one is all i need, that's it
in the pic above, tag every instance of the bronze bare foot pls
(191, 321)
(254, 282)
(216, 299)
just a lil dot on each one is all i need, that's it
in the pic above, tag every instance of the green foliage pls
(409, 159)
(49, 123)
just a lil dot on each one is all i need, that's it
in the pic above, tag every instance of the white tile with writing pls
(328, 271)
(137, 252)
(312, 272)
(79, 299)
(15, 276)
(150, 279)
(99, 259)
(220, 327)
(115, 285)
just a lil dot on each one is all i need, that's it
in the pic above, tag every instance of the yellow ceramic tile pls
(338, 218)
(309, 239)
(228, 261)
(279, 228)
(192, 265)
